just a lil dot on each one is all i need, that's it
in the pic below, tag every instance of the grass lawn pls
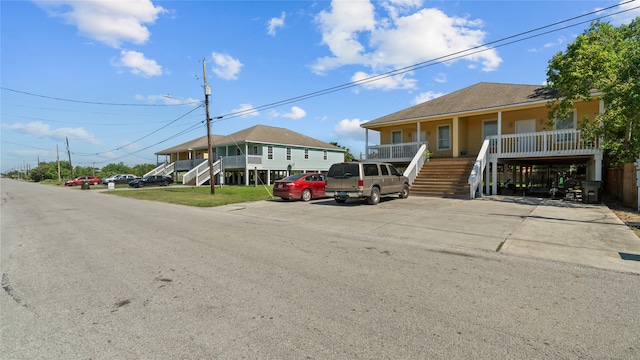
(197, 196)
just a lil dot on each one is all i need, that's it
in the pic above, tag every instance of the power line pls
(96, 102)
(431, 62)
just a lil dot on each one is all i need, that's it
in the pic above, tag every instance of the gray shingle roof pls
(477, 97)
(255, 134)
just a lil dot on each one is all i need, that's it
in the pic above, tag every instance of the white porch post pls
(494, 163)
(418, 137)
(366, 144)
(597, 174)
(246, 164)
(268, 176)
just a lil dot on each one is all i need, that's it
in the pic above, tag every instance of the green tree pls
(607, 59)
(65, 170)
(40, 172)
(142, 169)
(348, 156)
(112, 169)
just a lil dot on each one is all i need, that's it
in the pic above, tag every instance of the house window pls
(396, 137)
(270, 152)
(324, 155)
(288, 153)
(566, 123)
(444, 137)
(255, 149)
(238, 151)
(306, 154)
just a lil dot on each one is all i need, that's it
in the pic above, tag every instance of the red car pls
(300, 186)
(79, 180)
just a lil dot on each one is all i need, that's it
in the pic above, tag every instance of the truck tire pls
(405, 191)
(374, 198)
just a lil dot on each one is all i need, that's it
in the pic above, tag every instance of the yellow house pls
(493, 126)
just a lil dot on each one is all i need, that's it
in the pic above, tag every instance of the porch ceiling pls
(556, 160)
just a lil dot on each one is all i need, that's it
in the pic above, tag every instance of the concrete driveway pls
(557, 230)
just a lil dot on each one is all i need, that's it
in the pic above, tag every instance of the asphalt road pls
(86, 275)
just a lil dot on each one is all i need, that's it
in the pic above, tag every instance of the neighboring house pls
(257, 154)
(504, 125)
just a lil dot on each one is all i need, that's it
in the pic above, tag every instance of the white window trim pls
(288, 152)
(306, 154)
(438, 148)
(270, 152)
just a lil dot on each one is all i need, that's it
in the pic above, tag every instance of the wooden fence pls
(622, 186)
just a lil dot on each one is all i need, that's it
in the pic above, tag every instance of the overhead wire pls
(431, 62)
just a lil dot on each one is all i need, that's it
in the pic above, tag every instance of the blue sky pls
(122, 80)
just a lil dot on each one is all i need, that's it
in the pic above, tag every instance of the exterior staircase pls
(444, 177)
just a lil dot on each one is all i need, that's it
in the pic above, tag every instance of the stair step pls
(443, 177)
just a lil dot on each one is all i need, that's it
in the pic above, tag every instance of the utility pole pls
(69, 153)
(58, 160)
(207, 92)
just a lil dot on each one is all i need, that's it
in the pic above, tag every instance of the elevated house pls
(259, 154)
(476, 133)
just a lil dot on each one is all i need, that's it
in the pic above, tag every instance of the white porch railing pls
(545, 143)
(475, 179)
(393, 152)
(201, 173)
(411, 172)
(164, 169)
(239, 161)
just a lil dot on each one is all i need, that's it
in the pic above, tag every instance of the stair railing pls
(411, 172)
(475, 178)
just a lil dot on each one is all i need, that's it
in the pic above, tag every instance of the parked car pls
(365, 180)
(300, 186)
(151, 180)
(119, 179)
(79, 180)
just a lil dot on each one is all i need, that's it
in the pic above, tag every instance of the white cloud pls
(357, 35)
(626, 17)
(225, 66)
(42, 130)
(296, 113)
(350, 129)
(275, 23)
(426, 96)
(440, 78)
(107, 21)
(246, 110)
(138, 64)
(385, 83)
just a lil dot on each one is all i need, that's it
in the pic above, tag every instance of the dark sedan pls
(151, 180)
(301, 186)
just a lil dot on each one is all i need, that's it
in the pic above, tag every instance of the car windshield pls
(293, 177)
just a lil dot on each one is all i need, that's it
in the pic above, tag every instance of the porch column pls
(269, 177)
(487, 177)
(418, 137)
(597, 174)
(494, 164)
(455, 140)
(366, 145)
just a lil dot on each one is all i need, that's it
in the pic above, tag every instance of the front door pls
(526, 143)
